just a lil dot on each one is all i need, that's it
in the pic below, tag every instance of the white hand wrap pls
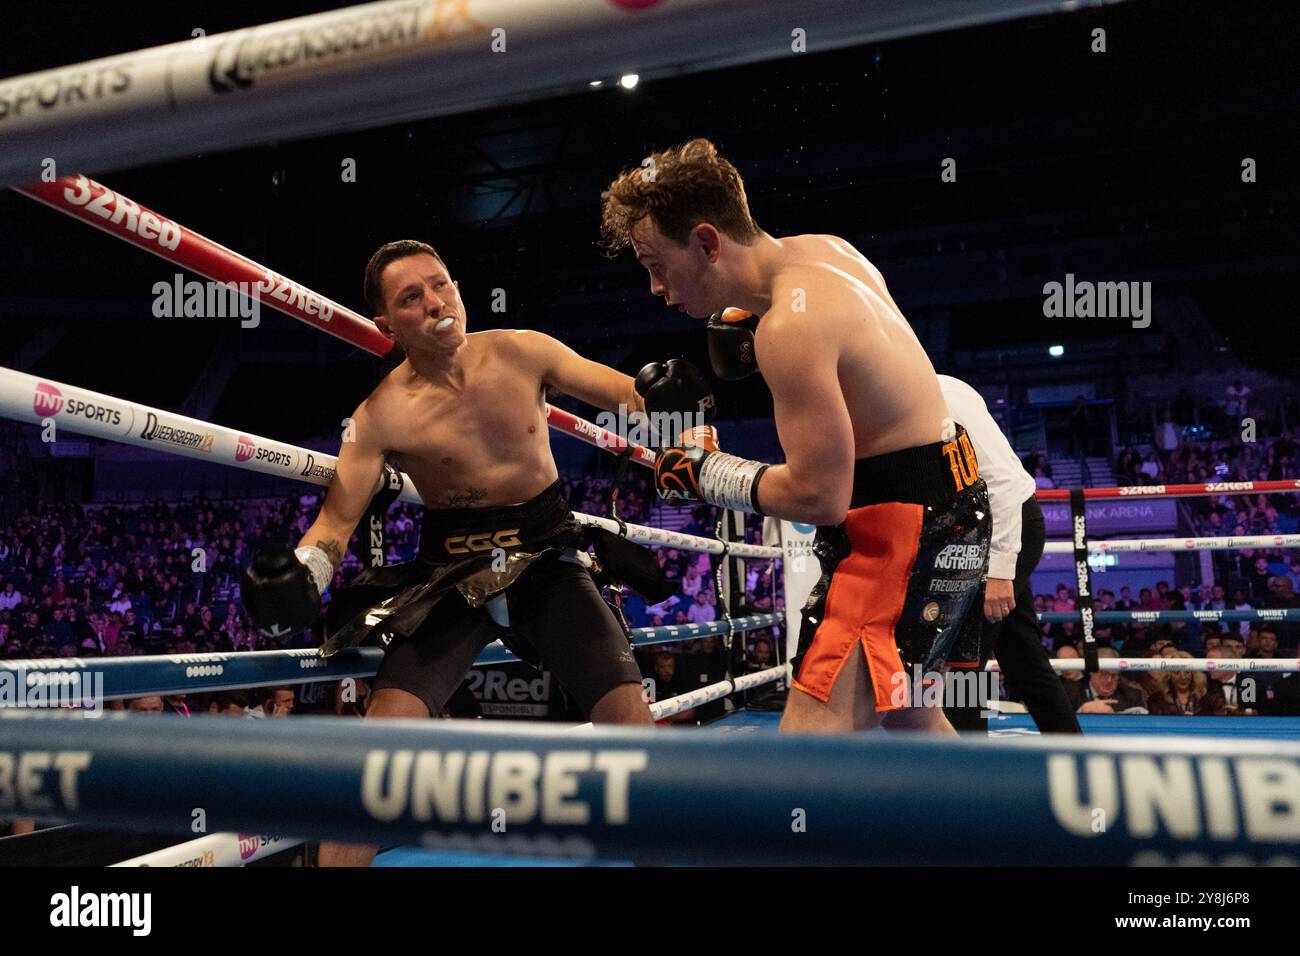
(731, 482)
(318, 565)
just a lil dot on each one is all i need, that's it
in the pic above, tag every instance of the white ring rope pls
(28, 398)
(1239, 665)
(711, 692)
(382, 63)
(217, 849)
(1117, 545)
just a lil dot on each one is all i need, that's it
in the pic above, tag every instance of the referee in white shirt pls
(1010, 630)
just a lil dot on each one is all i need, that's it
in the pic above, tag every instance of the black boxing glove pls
(281, 590)
(677, 397)
(731, 344)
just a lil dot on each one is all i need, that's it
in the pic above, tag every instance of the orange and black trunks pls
(900, 574)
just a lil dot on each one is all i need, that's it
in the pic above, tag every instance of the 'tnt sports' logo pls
(248, 450)
(47, 400)
(249, 844)
(64, 88)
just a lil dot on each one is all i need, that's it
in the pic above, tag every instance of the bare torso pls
(888, 382)
(476, 445)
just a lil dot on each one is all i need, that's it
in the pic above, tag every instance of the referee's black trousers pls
(1016, 644)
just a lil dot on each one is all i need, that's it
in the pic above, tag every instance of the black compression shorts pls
(554, 606)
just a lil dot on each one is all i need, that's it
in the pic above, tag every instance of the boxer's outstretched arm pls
(812, 422)
(568, 372)
(356, 477)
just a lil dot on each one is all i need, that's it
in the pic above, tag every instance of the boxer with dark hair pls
(464, 415)
(872, 456)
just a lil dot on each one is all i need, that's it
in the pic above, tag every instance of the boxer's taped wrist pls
(318, 565)
(731, 482)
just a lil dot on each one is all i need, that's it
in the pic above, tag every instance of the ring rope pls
(1122, 545)
(1151, 617)
(36, 400)
(607, 792)
(392, 62)
(1194, 490)
(115, 678)
(216, 849)
(108, 211)
(1265, 665)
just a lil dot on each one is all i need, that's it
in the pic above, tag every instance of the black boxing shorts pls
(508, 573)
(900, 573)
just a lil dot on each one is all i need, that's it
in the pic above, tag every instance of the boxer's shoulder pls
(819, 244)
(824, 249)
(496, 338)
(528, 354)
(392, 389)
(390, 401)
(514, 341)
(809, 291)
(511, 345)
(838, 257)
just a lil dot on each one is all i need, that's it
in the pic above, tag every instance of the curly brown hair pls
(680, 188)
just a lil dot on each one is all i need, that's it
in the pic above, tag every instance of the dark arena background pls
(1088, 212)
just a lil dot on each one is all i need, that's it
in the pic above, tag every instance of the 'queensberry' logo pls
(240, 62)
(313, 470)
(181, 437)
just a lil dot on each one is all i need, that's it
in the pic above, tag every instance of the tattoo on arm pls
(464, 499)
(332, 551)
